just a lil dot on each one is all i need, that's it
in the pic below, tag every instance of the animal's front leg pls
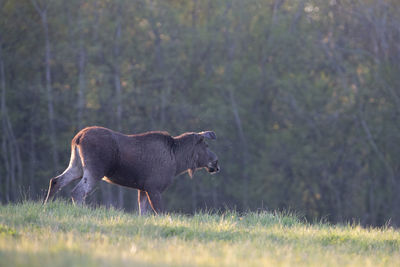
(142, 202)
(155, 201)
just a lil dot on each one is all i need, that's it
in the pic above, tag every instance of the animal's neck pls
(184, 154)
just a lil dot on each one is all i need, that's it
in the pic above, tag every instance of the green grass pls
(61, 234)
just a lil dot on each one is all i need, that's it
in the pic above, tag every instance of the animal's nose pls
(217, 168)
(213, 166)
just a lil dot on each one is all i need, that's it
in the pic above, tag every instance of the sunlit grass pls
(61, 234)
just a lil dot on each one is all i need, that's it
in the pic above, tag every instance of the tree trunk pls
(11, 153)
(6, 192)
(117, 75)
(160, 68)
(231, 47)
(244, 149)
(32, 158)
(118, 91)
(49, 90)
(81, 85)
(194, 196)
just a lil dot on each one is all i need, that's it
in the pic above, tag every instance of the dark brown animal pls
(147, 162)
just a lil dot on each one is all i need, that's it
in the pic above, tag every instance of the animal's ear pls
(208, 134)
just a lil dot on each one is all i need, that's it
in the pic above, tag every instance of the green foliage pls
(303, 96)
(7, 231)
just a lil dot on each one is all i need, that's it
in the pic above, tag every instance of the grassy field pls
(61, 234)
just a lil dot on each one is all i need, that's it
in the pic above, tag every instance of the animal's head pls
(203, 156)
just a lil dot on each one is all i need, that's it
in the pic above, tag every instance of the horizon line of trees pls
(304, 97)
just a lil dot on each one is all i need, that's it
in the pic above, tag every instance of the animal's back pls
(92, 133)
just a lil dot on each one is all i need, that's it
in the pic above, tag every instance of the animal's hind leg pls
(85, 186)
(143, 202)
(154, 198)
(73, 172)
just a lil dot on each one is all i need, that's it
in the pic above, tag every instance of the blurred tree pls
(303, 96)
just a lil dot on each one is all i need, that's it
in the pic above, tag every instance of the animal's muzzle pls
(53, 188)
(213, 167)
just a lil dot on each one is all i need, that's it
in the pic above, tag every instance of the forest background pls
(304, 97)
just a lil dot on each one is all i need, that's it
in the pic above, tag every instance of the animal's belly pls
(124, 181)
